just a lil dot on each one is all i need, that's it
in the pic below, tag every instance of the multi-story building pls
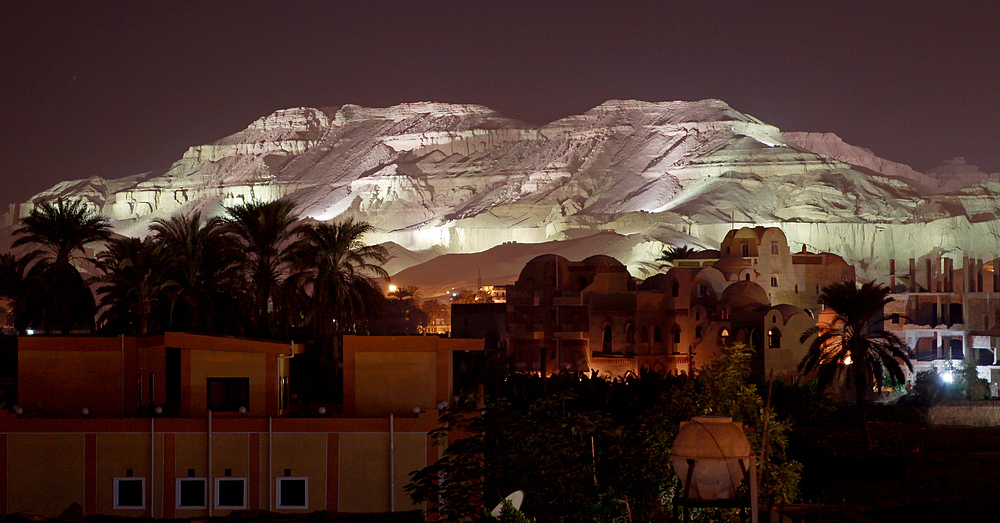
(592, 316)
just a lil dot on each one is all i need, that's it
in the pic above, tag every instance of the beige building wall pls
(45, 472)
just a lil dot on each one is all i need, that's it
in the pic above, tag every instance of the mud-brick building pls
(592, 315)
(184, 426)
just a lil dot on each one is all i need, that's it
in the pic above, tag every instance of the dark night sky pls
(113, 89)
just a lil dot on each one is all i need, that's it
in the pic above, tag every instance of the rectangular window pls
(292, 492)
(228, 394)
(130, 493)
(774, 247)
(192, 493)
(231, 493)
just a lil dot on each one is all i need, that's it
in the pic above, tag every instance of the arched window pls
(644, 335)
(746, 250)
(723, 336)
(774, 339)
(697, 332)
(675, 289)
(657, 336)
(606, 346)
(677, 334)
(774, 247)
(774, 281)
(630, 333)
(747, 277)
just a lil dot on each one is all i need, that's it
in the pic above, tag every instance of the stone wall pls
(965, 413)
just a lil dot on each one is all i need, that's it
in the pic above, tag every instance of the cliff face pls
(461, 178)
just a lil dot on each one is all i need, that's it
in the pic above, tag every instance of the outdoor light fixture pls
(18, 410)
(29, 331)
(321, 410)
(158, 410)
(416, 410)
(392, 288)
(85, 411)
(947, 377)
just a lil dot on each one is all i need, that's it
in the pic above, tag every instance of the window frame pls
(277, 492)
(204, 484)
(242, 380)
(116, 505)
(215, 502)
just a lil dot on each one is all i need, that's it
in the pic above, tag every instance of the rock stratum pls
(439, 178)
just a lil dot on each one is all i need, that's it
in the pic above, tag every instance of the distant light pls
(454, 295)
(322, 411)
(30, 331)
(847, 360)
(18, 410)
(416, 410)
(158, 410)
(948, 377)
(243, 410)
(392, 288)
(85, 411)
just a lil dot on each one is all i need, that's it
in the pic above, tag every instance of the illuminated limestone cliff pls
(444, 178)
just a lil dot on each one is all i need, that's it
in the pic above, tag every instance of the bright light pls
(847, 360)
(947, 377)
(392, 288)
(30, 331)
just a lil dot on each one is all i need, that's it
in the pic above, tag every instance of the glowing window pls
(774, 339)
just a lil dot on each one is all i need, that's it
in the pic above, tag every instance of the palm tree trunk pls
(861, 385)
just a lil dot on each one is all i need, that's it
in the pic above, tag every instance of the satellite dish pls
(515, 498)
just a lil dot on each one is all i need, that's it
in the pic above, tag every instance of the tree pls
(331, 263)
(135, 282)
(202, 263)
(263, 231)
(673, 253)
(401, 313)
(21, 287)
(62, 230)
(857, 343)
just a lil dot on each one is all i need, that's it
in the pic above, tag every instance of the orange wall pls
(51, 464)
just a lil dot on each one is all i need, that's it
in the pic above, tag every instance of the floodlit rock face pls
(464, 179)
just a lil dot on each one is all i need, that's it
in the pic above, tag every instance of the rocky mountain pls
(442, 178)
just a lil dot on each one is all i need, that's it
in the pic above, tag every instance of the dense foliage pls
(592, 449)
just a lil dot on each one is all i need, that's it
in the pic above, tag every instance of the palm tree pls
(202, 259)
(332, 264)
(263, 231)
(20, 286)
(62, 230)
(674, 253)
(135, 282)
(856, 342)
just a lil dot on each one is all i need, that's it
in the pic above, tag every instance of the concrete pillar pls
(930, 276)
(913, 275)
(968, 275)
(949, 272)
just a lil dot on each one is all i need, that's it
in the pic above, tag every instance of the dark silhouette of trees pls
(135, 283)
(333, 267)
(263, 231)
(857, 343)
(202, 260)
(62, 231)
(671, 254)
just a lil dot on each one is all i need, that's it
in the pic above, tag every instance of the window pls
(796, 288)
(191, 493)
(657, 336)
(677, 334)
(724, 314)
(774, 281)
(606, 346)
(292, 492)
(630, 333)
(697, 315)
(675, 289)
(746, 250)
(231, 493)
(697, 332)
(228, 394)
(774, 339)
(895, 318)
(746, 276)
(774, 247)
(130, 493)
